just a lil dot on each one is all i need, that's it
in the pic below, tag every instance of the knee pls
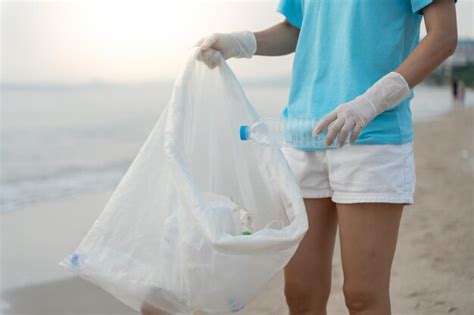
(302, 300)
(360, 300)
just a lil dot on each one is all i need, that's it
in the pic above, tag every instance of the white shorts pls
(357, 173)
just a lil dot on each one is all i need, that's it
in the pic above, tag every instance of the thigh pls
(368, 233)
(311, 172)
(372, 173)
(310, 267)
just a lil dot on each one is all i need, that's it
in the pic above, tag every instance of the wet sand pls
(433, 271)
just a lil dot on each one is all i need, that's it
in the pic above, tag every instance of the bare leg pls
(308, 274)
(368, 234)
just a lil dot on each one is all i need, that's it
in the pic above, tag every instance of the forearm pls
(277, 40)
(429, 54)
(439, 43)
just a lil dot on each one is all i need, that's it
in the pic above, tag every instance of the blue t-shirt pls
(344, 47)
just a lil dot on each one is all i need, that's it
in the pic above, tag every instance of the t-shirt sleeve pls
(292, 10)
(417, 6)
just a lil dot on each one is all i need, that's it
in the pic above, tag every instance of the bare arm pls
(277, 40)
(439, 43)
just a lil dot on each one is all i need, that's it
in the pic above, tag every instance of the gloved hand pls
(351, 117)
(237, 44)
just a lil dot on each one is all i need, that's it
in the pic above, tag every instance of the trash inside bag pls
(201, 221)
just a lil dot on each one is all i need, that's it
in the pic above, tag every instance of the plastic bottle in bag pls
(296, 132)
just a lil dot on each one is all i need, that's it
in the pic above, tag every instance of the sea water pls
(60, 141)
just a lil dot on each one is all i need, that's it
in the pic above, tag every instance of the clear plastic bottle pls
(296, 132)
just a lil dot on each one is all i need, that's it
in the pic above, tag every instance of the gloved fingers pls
(355, 133)
(208, 41)
(344, 133)
(324, 123)
(210, 57)
(334, 129)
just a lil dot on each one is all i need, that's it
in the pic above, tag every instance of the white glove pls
(351, 117)
(238, 44)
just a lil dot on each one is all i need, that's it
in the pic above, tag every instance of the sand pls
(433, 271)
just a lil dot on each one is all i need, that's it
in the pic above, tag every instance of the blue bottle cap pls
(244, 132)
(75, 260)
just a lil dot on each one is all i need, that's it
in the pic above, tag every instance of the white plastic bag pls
(171, 234)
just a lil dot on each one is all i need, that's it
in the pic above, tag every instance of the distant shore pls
(432, 273)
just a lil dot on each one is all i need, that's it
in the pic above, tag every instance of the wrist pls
(246, 44)
(387, 92)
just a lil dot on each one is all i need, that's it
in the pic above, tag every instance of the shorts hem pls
(405, 198)
(316, 194)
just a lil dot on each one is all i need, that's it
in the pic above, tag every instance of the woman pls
(355, 62)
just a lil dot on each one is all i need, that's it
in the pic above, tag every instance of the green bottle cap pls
(246, 233)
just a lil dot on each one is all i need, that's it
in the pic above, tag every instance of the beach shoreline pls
(432, 272)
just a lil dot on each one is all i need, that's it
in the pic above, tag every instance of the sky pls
(76, 41)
